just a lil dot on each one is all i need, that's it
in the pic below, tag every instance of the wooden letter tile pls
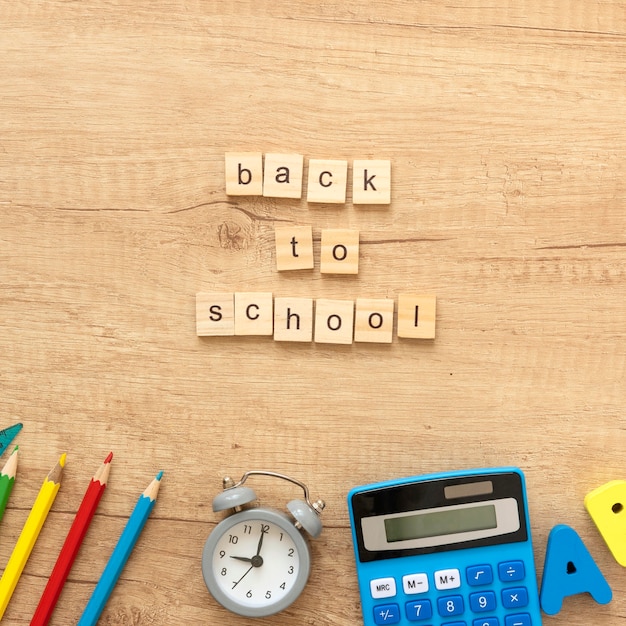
(254, 313)
(244, 173)
(283, 175)
(327, 181)
(339, 251)
(215, 314)
(371, 182)
(334, 321)
(294, 248)
(293, 319)
(416, 316)
(374, 320)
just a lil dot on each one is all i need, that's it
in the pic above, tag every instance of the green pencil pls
(7, 480)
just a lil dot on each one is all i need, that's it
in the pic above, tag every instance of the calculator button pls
(515, 597)
(486, 621)
(478, 575)
(523, 619)
(387, 614)
(418, 610)
(415, 583)
(383, 588)
(447, 579)
(511, 571)
(481, 602)
(450, 605)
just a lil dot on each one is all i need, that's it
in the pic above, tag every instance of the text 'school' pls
(323, 320)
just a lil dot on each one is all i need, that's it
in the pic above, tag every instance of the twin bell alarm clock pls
(256, 561)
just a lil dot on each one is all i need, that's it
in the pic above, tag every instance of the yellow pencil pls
(29, 534)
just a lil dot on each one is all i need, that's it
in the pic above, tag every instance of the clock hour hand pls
(241, 558)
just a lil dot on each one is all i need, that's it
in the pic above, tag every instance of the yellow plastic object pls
(607, 507)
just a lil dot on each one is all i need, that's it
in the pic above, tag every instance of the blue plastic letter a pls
(569, 569)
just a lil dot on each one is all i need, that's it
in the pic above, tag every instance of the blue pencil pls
(120, 554)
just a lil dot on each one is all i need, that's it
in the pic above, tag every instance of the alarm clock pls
(256, 561)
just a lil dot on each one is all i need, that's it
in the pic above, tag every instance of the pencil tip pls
(109, 457)
(15, 449)
(62, 459)
(159, 475)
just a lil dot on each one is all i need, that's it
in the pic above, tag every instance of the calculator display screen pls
(438, 514)
(438, 523)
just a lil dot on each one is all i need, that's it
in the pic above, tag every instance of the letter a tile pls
(283, 175)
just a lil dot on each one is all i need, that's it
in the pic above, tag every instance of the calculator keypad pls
(466, 597)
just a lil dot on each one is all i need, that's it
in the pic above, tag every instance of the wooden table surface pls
(504, 125)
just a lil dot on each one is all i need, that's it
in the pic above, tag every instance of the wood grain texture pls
(504, 125)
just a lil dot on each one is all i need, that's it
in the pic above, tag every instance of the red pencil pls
(72, 544)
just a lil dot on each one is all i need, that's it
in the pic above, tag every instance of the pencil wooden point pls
(102, 475)
(57, 471)
(10, 467)
(7, 480)
(153, 488)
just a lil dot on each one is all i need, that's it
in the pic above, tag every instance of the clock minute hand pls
(247, 572)
(258, 548)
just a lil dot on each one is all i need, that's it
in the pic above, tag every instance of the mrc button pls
(383, 587)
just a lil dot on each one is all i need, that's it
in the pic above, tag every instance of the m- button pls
(415, 583)
(447, 579)
(383, 587)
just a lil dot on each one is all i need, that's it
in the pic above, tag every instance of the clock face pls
(256, 562)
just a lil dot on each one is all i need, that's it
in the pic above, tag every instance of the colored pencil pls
(29, 534)
(120, 554)
(72, 544)
(7, 480)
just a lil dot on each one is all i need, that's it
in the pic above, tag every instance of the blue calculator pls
(449, 549)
